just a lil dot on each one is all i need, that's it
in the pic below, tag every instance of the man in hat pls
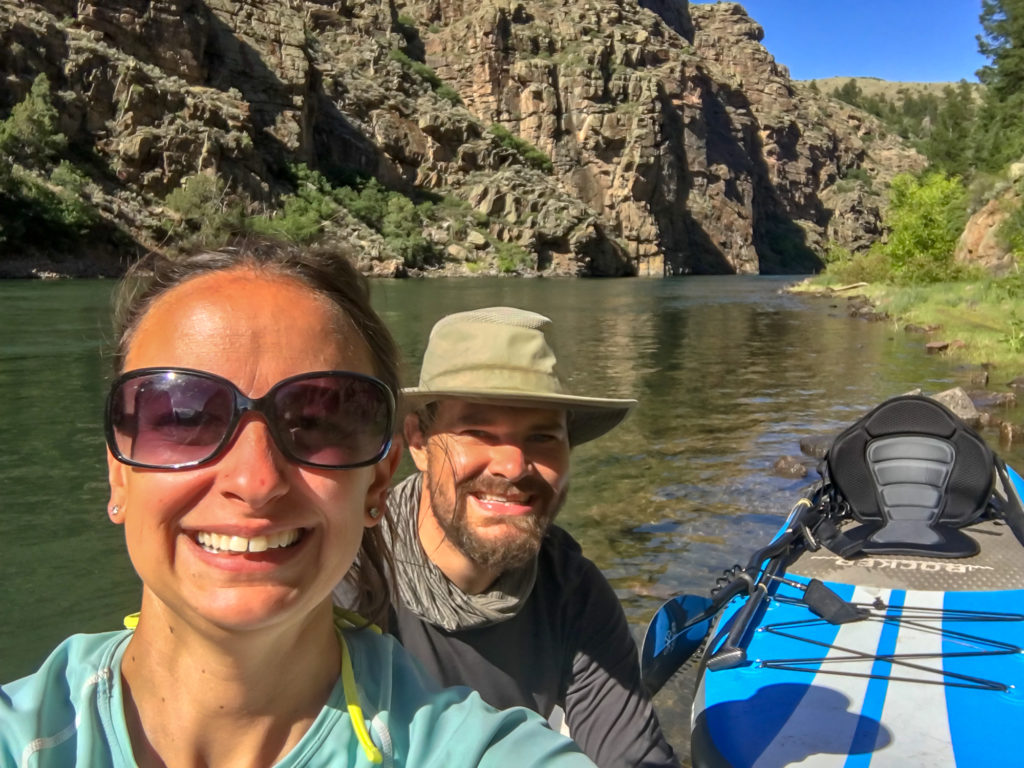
(491, 594)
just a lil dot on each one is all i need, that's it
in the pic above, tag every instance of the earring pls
(115, 510)
(374, 513)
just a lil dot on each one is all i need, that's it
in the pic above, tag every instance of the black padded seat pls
(912, 474)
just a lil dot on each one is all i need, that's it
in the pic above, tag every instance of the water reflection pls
(729, 372)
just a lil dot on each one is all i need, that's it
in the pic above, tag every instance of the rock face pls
(677, 145)
(679, 129)
(981, 243)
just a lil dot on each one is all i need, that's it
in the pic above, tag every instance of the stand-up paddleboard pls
(882, 626)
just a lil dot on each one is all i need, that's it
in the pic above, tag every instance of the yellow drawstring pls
(342, 620)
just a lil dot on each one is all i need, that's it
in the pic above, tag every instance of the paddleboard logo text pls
(898, 564)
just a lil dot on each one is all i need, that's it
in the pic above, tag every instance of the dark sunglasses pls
(178, 418)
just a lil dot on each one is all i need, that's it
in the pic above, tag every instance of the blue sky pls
(903, 40)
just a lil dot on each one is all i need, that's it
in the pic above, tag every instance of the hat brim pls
(589, 417)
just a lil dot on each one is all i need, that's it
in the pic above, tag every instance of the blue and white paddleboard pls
(884, 623)
(932, 674)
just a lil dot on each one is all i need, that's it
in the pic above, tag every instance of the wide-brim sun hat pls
(505, 354)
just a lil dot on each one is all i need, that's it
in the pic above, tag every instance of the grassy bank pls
(982, 320)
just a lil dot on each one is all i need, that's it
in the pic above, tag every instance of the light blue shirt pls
(71, 712)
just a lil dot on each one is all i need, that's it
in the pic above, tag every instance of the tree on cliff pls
(1000, 136)
(41, 197)
(30, 133)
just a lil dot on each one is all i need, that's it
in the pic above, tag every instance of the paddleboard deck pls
(933, 675)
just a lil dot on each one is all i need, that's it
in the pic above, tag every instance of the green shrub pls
(449, 94)
(367, 201)
(402, 227)
(925, 219)
(30, 132)
(398, 220)
(425, 73)
(1009, 288)
(983, 187)
(835, 254)
(1014, 336)
(418, 68)
(512, 258)
(530, 154)
(870, 266)
(196, 195)
(299, 220)
(1011, 229)
(303, 214)
(856, 174)
(40, 204)
(36, 211)
(208, 216)
(73, 208)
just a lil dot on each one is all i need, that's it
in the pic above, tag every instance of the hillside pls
(561, 137)
(890, 90)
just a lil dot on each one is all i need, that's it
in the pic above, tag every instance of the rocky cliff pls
(669, 140)
(983, 242)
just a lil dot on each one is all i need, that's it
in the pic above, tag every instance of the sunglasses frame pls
(243, 404)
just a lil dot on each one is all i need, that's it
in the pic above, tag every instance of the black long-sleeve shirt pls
(569, 646)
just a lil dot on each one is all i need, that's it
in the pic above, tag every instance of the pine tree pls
(1000, 136)
(30, 132)
(849, 92)
(948, 144)
(1002, 41)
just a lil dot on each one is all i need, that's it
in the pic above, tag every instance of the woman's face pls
(254, 330)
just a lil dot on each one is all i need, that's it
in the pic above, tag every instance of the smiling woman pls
(249, 436)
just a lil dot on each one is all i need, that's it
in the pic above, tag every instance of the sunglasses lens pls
(177, 419)
(170, 418)
(333, 421)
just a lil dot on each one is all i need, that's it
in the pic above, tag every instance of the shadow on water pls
(730, 374)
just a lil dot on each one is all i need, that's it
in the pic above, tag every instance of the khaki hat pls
(504, 353)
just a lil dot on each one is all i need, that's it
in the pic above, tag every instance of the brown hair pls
(328, 272)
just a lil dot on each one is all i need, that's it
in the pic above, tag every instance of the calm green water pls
(730, 374)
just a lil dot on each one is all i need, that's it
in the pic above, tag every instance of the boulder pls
(984, 399)
(960, 403)
(789, 466)
(816, 446)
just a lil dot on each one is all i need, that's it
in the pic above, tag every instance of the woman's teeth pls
(216, 542)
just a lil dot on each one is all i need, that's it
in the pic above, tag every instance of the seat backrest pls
(912, 473)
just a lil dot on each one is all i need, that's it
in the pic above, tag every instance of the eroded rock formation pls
(677, 144)
(983, 242)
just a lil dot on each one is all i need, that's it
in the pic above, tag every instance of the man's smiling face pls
(496, 474)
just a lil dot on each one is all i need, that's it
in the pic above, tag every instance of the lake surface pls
(730, 374)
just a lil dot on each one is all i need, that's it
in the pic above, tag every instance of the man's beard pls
(512, 550)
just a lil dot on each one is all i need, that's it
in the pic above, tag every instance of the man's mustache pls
(496, 486)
